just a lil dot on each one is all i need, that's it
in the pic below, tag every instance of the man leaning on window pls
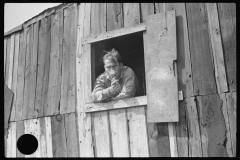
(116, 82)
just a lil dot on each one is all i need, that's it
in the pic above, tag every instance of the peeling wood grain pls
(58, 136)
(47, 51)
(34, 53)
(98, 18)
(38, 106)
(195, 148)
(215, 36)
(183, 52)
(202, 61)
(65, 60)
(21, 72)
(227, 22)
(15, 75)
(232, 107)
(82, 82)
(71, 135)
(28, 73)
(228, 132)
(55, 65)
(213, 124)
(72, 60)
(114, 16)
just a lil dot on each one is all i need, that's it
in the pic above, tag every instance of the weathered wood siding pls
(45, 67)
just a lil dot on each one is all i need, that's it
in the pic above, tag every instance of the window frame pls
(121, 103)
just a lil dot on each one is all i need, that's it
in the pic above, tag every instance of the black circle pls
(27, 144)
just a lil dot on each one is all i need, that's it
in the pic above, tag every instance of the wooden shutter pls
(160, 54)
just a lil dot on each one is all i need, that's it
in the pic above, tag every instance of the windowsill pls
(116, 104)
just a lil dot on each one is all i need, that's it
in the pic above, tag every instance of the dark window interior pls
(131, 51)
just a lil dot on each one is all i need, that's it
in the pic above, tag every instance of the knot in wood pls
(59, 118)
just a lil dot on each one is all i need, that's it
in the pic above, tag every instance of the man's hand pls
(115, 86)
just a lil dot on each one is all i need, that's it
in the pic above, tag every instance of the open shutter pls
(160, 54)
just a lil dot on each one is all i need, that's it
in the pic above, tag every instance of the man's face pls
(113, 69)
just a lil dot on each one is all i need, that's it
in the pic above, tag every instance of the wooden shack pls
(51, 62)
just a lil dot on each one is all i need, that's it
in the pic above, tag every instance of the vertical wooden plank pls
(47, 51)
(71, 135)
(15, 75)
(7, 59)
(100, 119)
(231, 108)
(49, 143)
(33, 69)
(182, 130)
(184, 70)
(119, 133)
(72, 59)
(5, 55)
(55, 65)
(228, 134)
(117, 118)
(11, 60)
(83, 80)
(65, 60)
(173, 140)
(202, 62)
(213, 124)
(216, 42)
(102, 135)
(138, 133)
(131, 14)
(42, 138)
(27, 74)
(41, 63)
(45, 138)
(21, 72)
(20, 132)
(11, 141)
(58, 136)
(195, 148)
(160, 7)
(138, 143)
(146, 9)
(32, 127)
(114, 16)
(227, 22)
(98, 18)
(27, 131)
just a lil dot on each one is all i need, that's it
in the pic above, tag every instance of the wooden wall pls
(40, 69)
